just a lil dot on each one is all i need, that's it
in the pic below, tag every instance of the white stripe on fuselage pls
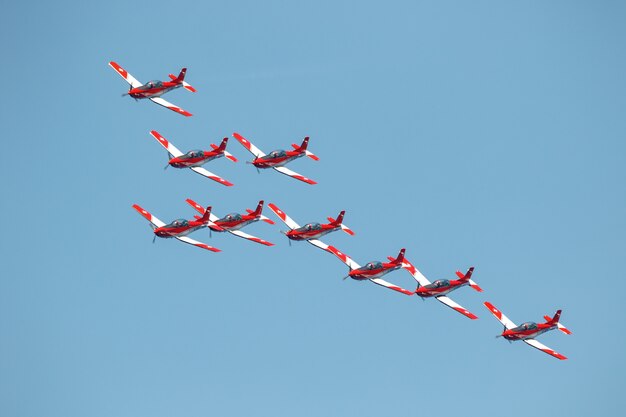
(287, 160)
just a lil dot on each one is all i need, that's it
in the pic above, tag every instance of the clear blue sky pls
(485, 133)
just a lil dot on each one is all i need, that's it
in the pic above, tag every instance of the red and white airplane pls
(441, 287)
(196, 158)
(276, 159)
(529, 330)
(232, 222)
(372, 271)
(310, 231)
(180, 228)
(153, 90)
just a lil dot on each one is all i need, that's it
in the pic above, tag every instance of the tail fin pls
(181, 79)
(259, 208)
(468, 277)
(340, 217)
(305, 143)
(339, 222)
(400, 257)
(303, 146)
(222, 148)
(207, 215)
(556, 317)
(555, 320)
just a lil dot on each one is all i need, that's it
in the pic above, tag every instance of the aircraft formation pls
(232, 223)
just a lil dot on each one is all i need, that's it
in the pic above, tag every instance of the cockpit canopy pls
(309, 227)
(529, 325)
(196, 153)
(374, 265)
(440, 283)
(179, 223)
(152, 84)
(231, 217)
(279, 153)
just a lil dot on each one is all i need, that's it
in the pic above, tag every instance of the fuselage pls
(234, 221)
(276, 158)
(194, 158)
(440, 287)
(373, 269)
(528, 330)
(311, 231)
(179, 227)
(153, 89)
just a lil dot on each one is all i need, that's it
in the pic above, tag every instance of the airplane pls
(232, 222)
(310, 230)
(441, 287)
(276, 159)
(196, 158)
(153, 90)
(180, 228)
(527, 332)
(372, 271)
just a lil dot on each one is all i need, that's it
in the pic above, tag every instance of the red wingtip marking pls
(493, 310)
(119, 69)
(466, 313)
(207, 247)
(305, 179)
(555, 354)
(143, 212)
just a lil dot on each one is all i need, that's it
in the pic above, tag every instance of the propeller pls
(165, 167)
(257, 168)
(285, 233)
(154, 239)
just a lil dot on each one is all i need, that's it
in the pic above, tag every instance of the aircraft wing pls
(201, 209)
(248, 145)
(447, 301)
(287, 171)
(283, 216)
(167, 104)
(343, 257)
(386, 284)
(500, 316)
(173, 150)
(211, 175)
(250, 237)
(534, 343)
(417, 275)
(152, 219)
(189, 240)
(125, 75)
(319, 244)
